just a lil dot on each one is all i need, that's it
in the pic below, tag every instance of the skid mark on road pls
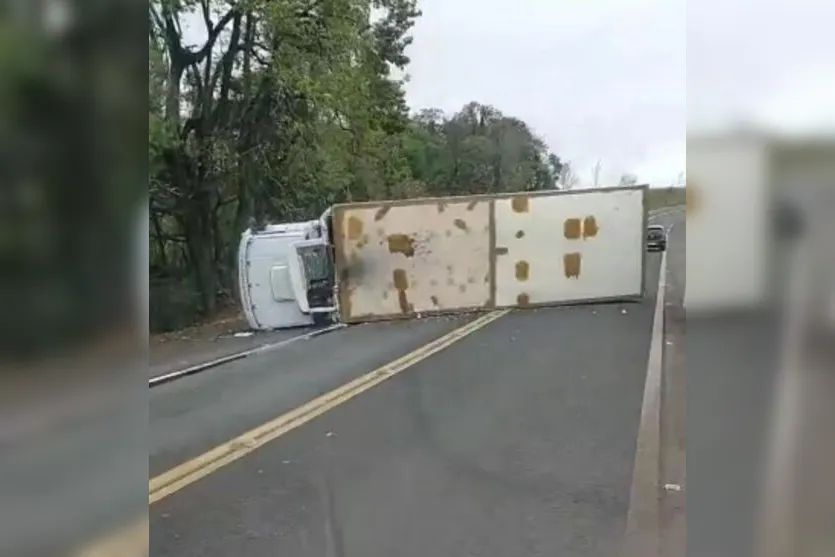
(189, 472)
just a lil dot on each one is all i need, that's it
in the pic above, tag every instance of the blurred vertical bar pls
(760, 386)
(73, 412)
(731, 338)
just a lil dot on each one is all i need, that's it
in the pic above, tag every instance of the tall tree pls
(628, 180)
(284, 107)
(479, 150)
(568, 178)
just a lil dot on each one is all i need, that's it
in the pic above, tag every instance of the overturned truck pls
(397, 259)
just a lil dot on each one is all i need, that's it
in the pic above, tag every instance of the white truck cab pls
(286, 275)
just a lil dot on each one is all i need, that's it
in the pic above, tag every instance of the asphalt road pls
(194, 414)
(716, 417)
(733, 361)
(517, 440)
(173, 356)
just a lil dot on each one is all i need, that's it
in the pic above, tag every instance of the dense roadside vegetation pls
(271, 110)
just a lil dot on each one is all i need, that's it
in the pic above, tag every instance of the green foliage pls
(628, 180)
(285, 108)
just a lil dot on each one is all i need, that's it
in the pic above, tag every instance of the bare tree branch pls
(155, 17)
(195, 57)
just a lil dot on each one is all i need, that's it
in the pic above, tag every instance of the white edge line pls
(240, 355)
(642, 519)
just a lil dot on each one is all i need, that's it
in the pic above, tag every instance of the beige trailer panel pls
(401, 259)
(569, 247)
(398, 259)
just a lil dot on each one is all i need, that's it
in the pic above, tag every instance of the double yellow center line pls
(189, 472)
(132, 541)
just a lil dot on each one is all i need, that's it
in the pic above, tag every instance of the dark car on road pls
(656, 238)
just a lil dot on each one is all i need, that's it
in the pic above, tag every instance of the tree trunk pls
(162, 260)
(200, 248)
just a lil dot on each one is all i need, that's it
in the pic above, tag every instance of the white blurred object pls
(727, 229)
(753, 197)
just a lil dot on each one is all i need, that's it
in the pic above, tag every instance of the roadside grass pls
(659, 198)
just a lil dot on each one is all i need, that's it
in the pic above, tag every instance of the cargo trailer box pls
(426, 256)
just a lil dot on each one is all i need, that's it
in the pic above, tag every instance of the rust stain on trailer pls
(412, 236)
(344, 290)
(520, 204)
(691, 199)
(472, 205)
(590, 228)
(523, 270)
(401, 279)
(435, 301)
(381, 213)
(572, 229)
(401, 243)
(345, 295)
(523, 300)
(401, 283)
(355, 228)
(572, 265)
(403, 301)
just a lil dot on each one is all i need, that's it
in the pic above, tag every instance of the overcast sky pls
(611, 79)
(620, 80)
(597, 79)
